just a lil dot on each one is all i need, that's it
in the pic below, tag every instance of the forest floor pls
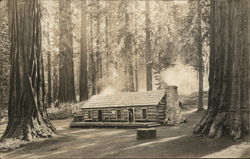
(171, 141)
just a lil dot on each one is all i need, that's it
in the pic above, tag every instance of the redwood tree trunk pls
(200, 59)
(129, 68)
(49, 94)
(229, 78)
(136, 53)
(148, 50)
(92, 61)
(98, 52)
(83, 82)
(107, 29)
(66, 92)
(55, 78)
(26, 111)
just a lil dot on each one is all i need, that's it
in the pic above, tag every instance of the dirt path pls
(176, 141)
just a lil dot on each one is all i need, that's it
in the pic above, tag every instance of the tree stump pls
(146, 133)
(77, 118)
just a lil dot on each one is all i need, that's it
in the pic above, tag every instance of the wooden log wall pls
(125, 114)
(95, 115)
(151, 111)
(105, 114)
(113, 115)
(161, 110)
(110, 114)
(85, 114)
(138, 113)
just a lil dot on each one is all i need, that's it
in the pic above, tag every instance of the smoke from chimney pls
(184, 77)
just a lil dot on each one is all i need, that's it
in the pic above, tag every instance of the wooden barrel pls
(146, 133)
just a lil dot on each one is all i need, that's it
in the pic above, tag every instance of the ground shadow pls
(183, 146)
(171, 141)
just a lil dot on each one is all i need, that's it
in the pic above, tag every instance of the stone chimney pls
(173, 111)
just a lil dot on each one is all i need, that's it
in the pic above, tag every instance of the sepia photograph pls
(124, 79)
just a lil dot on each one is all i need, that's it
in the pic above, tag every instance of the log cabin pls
(152, 106)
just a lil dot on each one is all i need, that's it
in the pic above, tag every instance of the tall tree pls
(194, 38)
(200, 55)
(66, 91)
(229, 102)
(26, 111)
(49, 93)
(55, 77)
(136, 50)
(83, 81)
(107, 28)
(164, 39)
(148, 49)
(126, 52)
(98, 49)
(5, 57)
(92, 61)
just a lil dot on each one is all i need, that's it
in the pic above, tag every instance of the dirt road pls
(175, 141)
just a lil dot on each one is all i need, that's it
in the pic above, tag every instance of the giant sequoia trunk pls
(55, 78)
(200, 55)
(83, 82)
(27, 113)
(49, 94)
(136, 54)
(66, 92)
(148, 50)
(98, 52)
(92, 61)
(228, 107)
(107, 28)
(129, 68)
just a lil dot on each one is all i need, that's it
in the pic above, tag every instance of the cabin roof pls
(149, 98)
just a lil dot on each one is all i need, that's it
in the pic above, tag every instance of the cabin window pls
(144, 113)
(89, 114)
(119, 114)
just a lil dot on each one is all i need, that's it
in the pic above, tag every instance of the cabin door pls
(130, 114)
(99, 115)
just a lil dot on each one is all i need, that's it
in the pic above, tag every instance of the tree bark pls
(129, 68)
(107, 38)
(49, 93)
(136, 52)
(148, 49)
(228, 109)
(26, 111)
(98, 53)
(55, 78)
(92, 61)
(66, 92)
(200, 59)
(83, 82)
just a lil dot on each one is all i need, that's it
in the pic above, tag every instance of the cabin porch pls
(115, 124)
